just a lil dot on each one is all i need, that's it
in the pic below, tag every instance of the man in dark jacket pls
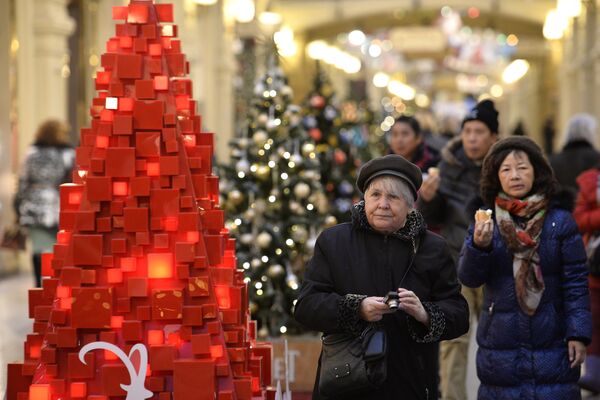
(386, 248)
(443, 202)
(578, 154)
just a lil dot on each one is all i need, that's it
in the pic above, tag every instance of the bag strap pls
(416, 241)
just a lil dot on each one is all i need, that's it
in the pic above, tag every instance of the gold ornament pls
(301, 190)
(235, 197)
(275, 271)
(330, 221)
(263, 172)
(264, 240)
(307, 148)
(299, 234)
(260, 137)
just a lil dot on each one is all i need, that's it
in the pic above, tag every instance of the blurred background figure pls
(587, 216)
(519, 129)
(578, 153)
(47, 164)
(548, 133)
(406, 139)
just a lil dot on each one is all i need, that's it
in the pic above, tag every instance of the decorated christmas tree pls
(357, 121)
(338, 162)
(143, 298)
(274, 202)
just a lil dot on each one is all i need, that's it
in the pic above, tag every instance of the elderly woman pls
(386, 248)
(530, 257)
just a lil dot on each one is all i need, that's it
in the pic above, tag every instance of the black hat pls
(392, 164)
(486, 112)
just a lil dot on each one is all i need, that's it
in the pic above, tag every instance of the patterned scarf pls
(522, 238)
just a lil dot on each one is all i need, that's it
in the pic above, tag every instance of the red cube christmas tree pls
(142, 260)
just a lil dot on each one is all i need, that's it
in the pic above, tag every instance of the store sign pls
(418, 39)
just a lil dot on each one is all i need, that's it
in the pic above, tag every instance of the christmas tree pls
(143, 269)
(274, 202)
(338, 163)
(357, 121)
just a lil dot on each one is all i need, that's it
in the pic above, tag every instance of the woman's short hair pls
(581, 127)
(395, 186)
(52, 133)
(411, 121)
(544, 181)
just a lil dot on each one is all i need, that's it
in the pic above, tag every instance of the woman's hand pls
(576, 353)
(372, 309)
(483, 233)
(411, 304)
(429, 187)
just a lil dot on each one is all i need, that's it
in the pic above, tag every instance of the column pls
(43, 27)
(6, 176)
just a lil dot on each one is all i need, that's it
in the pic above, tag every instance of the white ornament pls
(260, 138)
(301, 190)
(264, 240)
(135, 390)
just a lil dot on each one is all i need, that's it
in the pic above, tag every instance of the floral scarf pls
(520, 223)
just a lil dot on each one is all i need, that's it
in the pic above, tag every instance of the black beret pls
(394, 165)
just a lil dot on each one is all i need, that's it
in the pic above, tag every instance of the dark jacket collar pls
(415, 223)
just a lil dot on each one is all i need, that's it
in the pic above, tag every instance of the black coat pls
(350, 262)
(575, 158)
(459, 186)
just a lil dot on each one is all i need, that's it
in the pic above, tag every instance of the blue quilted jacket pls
(522, 357)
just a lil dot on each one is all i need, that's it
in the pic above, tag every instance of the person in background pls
(578, 153)
(587, 216)
(527, 252)
(406, 139)
(47, 164)
(386, 248)
(443, 200)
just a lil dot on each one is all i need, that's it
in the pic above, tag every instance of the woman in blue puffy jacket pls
(536, 320)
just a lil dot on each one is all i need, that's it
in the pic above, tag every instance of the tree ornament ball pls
(255, 263)
(260, 137)
(242, 166)
(301, 190)
(297, 159)
(315, 134)
(246, 239)
(260, 205)
(330, 221)
(235, 197)
(307, 148)
(263, 172)
(275, 271)
(264, 240)
(295, 207)
(263, 332)
(249, 214)
(339, 156)
(253, 307)
(300, 234)
(262, 119)
(317, 101)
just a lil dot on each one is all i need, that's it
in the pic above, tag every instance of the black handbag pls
(353, 364)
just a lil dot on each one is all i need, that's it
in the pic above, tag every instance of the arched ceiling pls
(322, 18)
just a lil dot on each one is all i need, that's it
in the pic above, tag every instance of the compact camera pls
(392, 300)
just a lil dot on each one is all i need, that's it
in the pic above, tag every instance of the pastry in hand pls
(433, 171)
(483, 215)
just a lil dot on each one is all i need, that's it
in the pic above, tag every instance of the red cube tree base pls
(142, 255)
